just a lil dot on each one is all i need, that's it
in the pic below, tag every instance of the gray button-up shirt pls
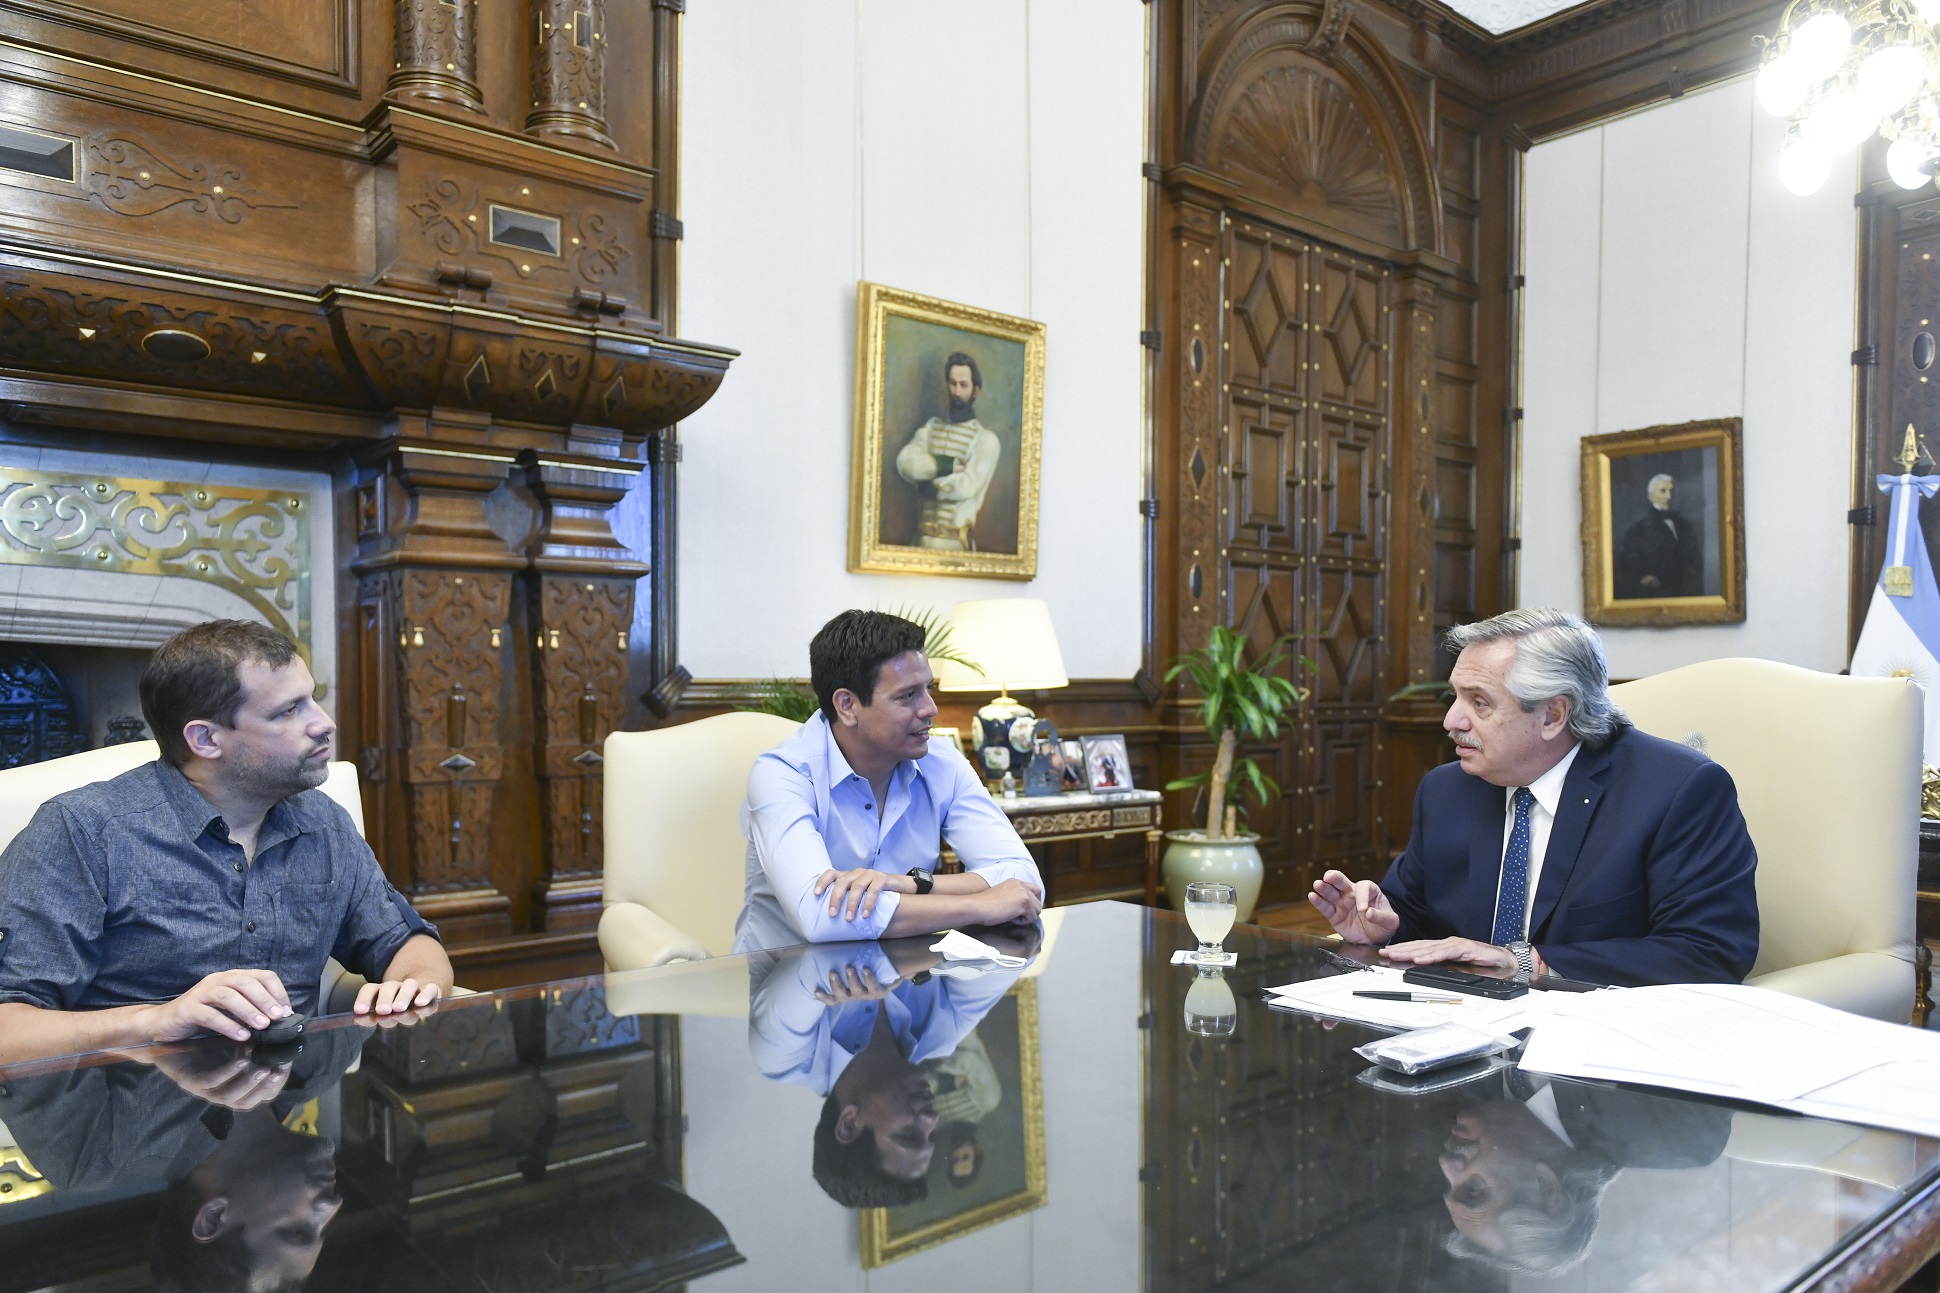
(130, 891)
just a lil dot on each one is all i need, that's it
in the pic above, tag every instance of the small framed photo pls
(1072, 763)
(1664, 525)
(1107, 766)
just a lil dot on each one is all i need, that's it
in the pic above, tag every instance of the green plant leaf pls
(936, 635)
(787, 698)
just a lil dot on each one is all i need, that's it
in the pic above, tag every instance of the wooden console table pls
(1082, 815)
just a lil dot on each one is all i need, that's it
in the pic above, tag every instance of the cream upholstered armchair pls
(676, 862)
(1828, 776)
(24, 789)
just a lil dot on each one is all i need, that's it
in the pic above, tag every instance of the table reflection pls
(1099, 1118)
(245, 1183)
(875, 1029)
(1527, 1169)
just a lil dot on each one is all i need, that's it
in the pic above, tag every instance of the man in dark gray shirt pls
(203, 891)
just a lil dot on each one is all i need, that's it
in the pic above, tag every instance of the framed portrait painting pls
(989, 1159)
(1664, 525)
(949, 412)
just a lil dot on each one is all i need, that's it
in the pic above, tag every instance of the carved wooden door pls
(1304, 531)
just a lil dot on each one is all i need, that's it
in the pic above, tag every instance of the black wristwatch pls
(924, 880)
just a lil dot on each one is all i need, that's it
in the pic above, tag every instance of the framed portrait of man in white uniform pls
(949, 410)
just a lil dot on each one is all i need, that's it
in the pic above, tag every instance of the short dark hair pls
(850, 651)
(180, 1263)
(958, 359)
(852, 1174)
(198, 674)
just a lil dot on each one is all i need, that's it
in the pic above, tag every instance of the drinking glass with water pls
(1210, 909)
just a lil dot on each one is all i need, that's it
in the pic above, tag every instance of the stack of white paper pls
(1334, 998)
(1746, 1044)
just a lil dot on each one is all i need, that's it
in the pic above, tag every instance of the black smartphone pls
(1477, 985)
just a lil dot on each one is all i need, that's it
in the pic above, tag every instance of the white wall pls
(1671, 277)
(987, 154)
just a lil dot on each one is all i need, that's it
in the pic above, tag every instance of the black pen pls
(1409, 996)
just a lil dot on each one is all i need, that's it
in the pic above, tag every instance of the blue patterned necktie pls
(1514, 893)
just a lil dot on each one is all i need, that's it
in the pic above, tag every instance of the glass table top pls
(865, 1116)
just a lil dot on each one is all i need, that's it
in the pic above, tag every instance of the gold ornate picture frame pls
(1664, 525)
(942, 485)
(1011, 1151)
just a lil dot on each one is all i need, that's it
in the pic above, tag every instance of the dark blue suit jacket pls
(1648, 877)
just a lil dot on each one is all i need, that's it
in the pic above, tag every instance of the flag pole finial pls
(1910, 452)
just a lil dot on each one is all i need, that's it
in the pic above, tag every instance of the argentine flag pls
(1901, 638)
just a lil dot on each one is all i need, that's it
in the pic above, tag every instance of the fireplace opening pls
(58, 699)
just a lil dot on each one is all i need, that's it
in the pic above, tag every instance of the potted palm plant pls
(1238, 701)
(791, 698)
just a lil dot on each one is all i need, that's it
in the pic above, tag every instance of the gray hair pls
(1536, 1243)
(1663, 476)
(1557, 656)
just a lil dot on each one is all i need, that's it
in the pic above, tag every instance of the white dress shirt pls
(1548, 790)
(808, 811)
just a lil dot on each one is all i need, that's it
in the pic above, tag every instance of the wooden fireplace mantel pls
(428, 247)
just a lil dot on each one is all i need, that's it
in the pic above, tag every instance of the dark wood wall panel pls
(1363, 388)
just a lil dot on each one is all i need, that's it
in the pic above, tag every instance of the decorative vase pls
(1232, 859)
(1004, 730)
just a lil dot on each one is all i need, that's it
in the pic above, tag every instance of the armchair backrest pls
(1828, 775)
(673, 819)
(24, 789)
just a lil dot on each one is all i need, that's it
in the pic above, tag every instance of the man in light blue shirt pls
(844, 820)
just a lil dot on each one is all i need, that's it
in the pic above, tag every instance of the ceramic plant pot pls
(1233, 860)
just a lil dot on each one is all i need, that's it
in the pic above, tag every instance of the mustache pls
(1464, 740)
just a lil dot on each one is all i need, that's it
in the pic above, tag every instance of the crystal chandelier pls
(1840, 70)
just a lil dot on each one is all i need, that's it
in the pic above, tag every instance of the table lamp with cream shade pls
(1014, 647)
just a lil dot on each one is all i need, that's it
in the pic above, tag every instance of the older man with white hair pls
(1566, 839)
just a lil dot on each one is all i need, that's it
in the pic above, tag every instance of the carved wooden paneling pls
(1295, 135)
(1365, 361)
(1196, 456)
(79, 326)
(450, 633)
(1306, 447)
(579, 599)
(311, 42)
(579, 659)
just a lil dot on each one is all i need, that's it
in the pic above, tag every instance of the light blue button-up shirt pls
(794, 1037)
(808, 811)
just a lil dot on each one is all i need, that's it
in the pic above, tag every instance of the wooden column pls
(433, 606)
(579, 602)
(435, 58)
(1412, 608)
(569, 71)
